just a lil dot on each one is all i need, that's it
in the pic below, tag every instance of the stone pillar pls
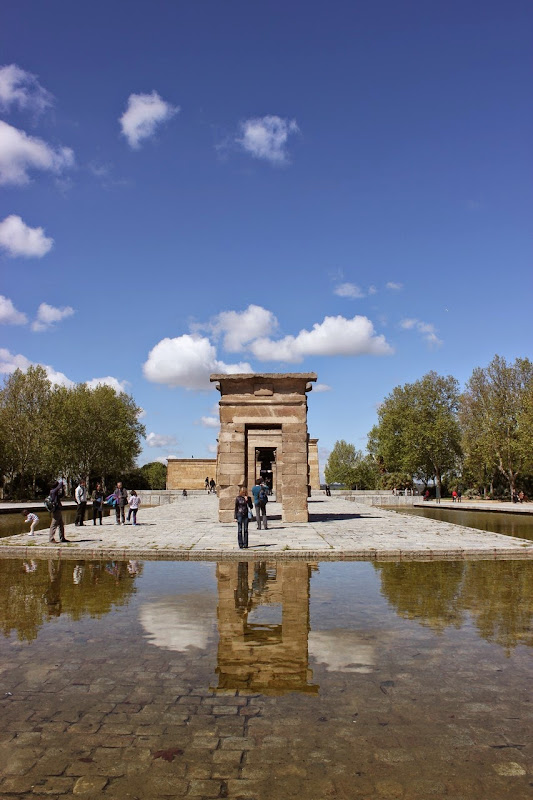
(257, 407)
(314, 470)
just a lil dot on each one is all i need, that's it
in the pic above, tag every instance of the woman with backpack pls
(243, 511)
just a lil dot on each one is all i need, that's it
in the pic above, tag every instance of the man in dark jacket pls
(121, 498)
(57, 491)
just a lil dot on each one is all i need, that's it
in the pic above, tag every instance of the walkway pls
(189, 529)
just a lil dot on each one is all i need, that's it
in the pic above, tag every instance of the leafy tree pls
(96, 431)
(155, 474)
(341, 464)
(418, 432)
(25, 426)
(496, 416)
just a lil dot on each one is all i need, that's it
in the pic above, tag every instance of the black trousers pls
(80, 513)
(97, 512)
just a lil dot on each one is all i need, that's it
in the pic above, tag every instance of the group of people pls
(119, 499)
(210, 486)
(244, 505)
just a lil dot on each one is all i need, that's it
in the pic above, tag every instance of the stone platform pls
(337, 530)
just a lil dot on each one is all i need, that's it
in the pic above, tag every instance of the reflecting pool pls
(520, 525)
(266, 679)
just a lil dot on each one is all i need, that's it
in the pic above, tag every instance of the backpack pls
(49, 504)
(263, 497)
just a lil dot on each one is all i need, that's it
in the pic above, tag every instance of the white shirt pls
(134, 501)
(81, 494)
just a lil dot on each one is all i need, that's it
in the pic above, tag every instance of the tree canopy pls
(418, 430)
(76, 432)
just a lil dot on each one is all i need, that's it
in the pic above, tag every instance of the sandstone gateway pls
(263, 433)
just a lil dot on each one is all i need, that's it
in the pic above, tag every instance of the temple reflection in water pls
(263, 626)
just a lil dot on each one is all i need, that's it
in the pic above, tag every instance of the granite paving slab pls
(189, 529)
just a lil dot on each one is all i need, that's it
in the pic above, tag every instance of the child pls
(33, 519)
(134, 502)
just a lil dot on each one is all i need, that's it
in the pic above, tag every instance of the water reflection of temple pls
(263, 626)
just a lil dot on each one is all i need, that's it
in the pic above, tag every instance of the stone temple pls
(263, 433)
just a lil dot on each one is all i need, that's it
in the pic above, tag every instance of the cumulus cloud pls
(159, 440)
(212, 448)
(18, 239)
(141, 414)
(142, 116)
(266, 137)
(425, 329)
(19, 153)
(47, 316)
(395, 287)
(10, 362)
(109, 380)
(321, 387)
(9, 314)
(210, 422)
(348, 290)
(341, 650)
(22, 89)
(335, 336)
(240, 327)
(372, 290)
(187, 361)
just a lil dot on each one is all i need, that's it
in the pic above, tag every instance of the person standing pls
(242, 504)
(255, 494)
(134, 503)
(121, 498)
(57, 491)
(98, 503)
(212, 486)
(80, 496)
(207, 485)
(33, 519)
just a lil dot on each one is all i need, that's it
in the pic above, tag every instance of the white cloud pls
(212, 448)
(266, 137)
(425, 329)
(321, 387)
(210, 422)
(372, 290)
(240, 327)
(335, 336)
(47, 316)
(18, 239)
(159, 440)
(348, 290)
(342, 650)
(20, 153)
(109, 380)
(22, 89)
(142, 116)
(10, 362)
(187, 361)
(395, 287)
(141, 414)
(9, 314)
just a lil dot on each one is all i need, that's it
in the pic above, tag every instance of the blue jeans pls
(242, 529)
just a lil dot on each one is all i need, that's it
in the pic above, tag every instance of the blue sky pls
(339, 187)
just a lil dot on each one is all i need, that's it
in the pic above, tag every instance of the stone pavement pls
(188, 529)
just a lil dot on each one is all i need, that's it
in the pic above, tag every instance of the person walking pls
(243, 503)
(134, 503)
(33, 519)
(212, 486)
(98, 503)
(207, 485)
(80, 496)
(121, 498)
(57, 491)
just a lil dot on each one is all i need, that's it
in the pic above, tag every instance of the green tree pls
(496, 415)
(417, 431)
(342, 462)
(96, 431)
(25, 426)
(155, 474)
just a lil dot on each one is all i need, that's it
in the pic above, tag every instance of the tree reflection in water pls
(498, 596)
(36, 591)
